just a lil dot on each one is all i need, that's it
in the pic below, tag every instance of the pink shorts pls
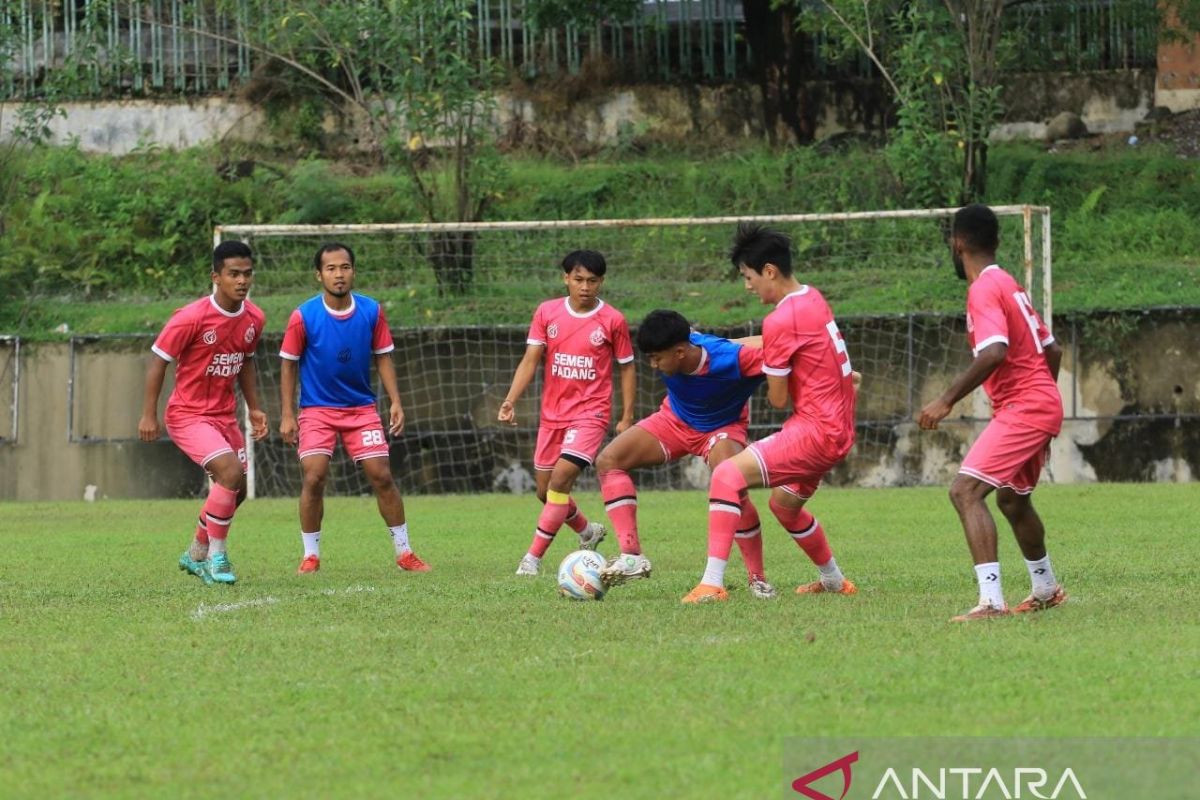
(204, 438)
(795, 459)
(1008, 454)
(360, 428)
(582, 441)
(678, 439)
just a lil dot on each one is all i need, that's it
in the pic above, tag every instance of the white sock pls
(312, 544)
(215, 545)
(714, 573)
(533, 558)
(400, 538)
(990, 593)
(1042, 576)
(831, 575)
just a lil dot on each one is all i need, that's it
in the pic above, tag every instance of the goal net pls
(459, 299)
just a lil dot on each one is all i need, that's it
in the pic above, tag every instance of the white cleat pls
(624, 568)
(529, 565)
(592, 536)
(761, 589)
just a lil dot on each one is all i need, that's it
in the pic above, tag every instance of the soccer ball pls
(579, 576)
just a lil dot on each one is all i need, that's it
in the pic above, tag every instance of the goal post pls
(459, 298)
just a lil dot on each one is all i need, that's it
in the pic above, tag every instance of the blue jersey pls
(716, 394)
(336, 351)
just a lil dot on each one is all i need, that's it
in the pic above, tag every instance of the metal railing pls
(196, 47)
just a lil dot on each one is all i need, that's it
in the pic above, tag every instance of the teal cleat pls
(194, 567)
(219, 569)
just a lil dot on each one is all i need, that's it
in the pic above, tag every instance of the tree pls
(406, 73)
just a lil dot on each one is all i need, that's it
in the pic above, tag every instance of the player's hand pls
(148, 429)
(288, 429)
(624, 424)
(856, 380)
(508, 414)
(258, 424)
(933, 413)
(396, 419)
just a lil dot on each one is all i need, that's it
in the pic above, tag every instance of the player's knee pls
(380, 476)
(1011, 504)
(314, 482)
(963, 492)
(606, 461)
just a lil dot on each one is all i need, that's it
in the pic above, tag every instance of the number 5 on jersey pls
(840, 344)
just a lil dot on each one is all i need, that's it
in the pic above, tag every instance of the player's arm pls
(520, 382)
(1054, 356)
(749, 341)
(387, 376)
(777, 391)
(248, 380)
(984, 364)
(628, 396)
(288, 372)
(156, 372)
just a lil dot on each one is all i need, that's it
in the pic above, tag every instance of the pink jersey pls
(580, 349)
(801, 340)
(999, 310)
(208, 345)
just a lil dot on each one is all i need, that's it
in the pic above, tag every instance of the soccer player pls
(807, 367)
(212, 343)
(331, 342)
(705, 413)
(1016, 361)
(579, 336)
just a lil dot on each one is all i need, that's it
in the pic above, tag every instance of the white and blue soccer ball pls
(579, 575)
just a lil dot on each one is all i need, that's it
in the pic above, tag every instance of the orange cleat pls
(309, 565)
(816, 587)
(409, 562)
(703, 593)
(1032, 603)
(982, 611)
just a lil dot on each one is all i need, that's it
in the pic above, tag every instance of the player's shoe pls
(624, 568)
(194, 567)
(309, 565)
(816, 587)
(1033, 603)
(529, 565)
(411, 562)
(219, 568)
(591, 536)
(703, 593)
(761, 589)
(982, 611)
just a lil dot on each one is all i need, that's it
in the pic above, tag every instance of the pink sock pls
(218, 511)
(201, 532)
(724, 508)
(575, 517)
(805, 531)
(549, 521)
(620, 501)
(749, 538)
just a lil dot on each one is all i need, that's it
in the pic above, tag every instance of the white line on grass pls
(203, 610)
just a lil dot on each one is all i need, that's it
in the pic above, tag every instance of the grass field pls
(122, 677)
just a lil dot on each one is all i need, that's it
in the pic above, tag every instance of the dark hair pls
(661, 330)
(590, 260)
(756, 246)
(230, 249)
(331, 247)
(976, 225)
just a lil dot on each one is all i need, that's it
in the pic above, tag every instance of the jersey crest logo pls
(552, 331)
(597, 337)
(250, 334)
(209, 337)
(343, 356)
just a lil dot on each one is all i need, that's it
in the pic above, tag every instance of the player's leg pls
(391, 507)
(748, 536)
(788, 505)
(228, 481)
(636, 447)
(969, 494)
(1015, 501)
(726, 494)
(572, 449)
(314, 468)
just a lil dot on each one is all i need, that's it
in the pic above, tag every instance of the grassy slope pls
(122, 677)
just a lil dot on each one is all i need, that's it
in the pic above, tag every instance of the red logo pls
(842, 765)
